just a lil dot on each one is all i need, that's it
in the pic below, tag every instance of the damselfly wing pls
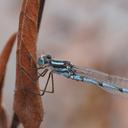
(111, 83)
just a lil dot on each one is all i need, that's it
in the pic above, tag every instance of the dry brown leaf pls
(28, 106)
(4, 57)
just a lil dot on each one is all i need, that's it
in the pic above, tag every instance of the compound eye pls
(49, 57)
(41, 61)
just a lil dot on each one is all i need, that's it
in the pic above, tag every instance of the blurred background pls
(89, 33)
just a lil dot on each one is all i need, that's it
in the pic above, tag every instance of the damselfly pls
(46, 64)
(113, 84)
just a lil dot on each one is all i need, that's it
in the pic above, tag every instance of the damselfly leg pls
(45, 88)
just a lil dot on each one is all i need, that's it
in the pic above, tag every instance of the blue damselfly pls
(110, 83)
(46, 64)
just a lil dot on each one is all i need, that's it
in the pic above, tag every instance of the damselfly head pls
(44, 59)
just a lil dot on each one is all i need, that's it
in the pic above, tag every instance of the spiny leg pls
(52, 91)
(43, 91)
(52, 83)
(42, 74)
